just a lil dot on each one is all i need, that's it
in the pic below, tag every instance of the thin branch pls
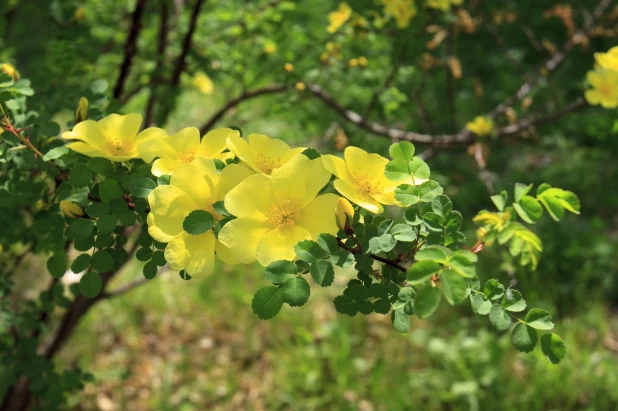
(125, 288)
(230, 104)
(130, 47)
(384, 260)
(156, 76)
(186, 45)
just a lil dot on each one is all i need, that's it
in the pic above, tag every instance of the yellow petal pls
(300, 179)
(279, 244)
(215, 141)
(594, 78)
(164, 166)
(360, 163)
(185, 140)
(291, 153)
(251, 198)
(88, 131)
(337, 166)
(357, 197)
(169, 206)
(319, 215)
(121, 127)
(152, 133)
(198, 179)
(88, 150)
(230, 177)
(592, 97)
(155, 147)
(242, 236)
(225, 254)
(241, 149)
(193, 253)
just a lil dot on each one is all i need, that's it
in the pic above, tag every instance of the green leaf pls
(143, 254)
(80, 229)
(311, 153)
(429, 190)
(6, 80)
(328, 242)
(539, 319)
(382, 306)
(278, 272)
(493, 289)
(158, 257)
(343, 259)
(396, 170)
(462, 265)
(422, 271)
(513, 301)
(101, 166)
(322, 273)
(296, 291)
(400, 321)
(553, 347)
(500, 200)
(387, 242)
(164, 180)
(480, 305)
(403, 151)
(359, 293)
(427, 301)
(345, 305)
(106, 224)
(80, 176)
(267, 302)
(90, 284)
(184, 275)
(407, 194)
(57, 264)
(98, 86)
(499, 318)
(109, 190)
(55, 153)
(454, 287)
(411, 217)
(418, 169)
(219, 207)
(529, 209)
(433, 253)
(80, 263)
(102, 261)
(524, 337)
(442, 206)
(198, 222)
(521, 190)
(96, 210)
(142, 187)
(150, 270)
(309, 251)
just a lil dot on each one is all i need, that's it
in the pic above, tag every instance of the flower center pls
(117, 147)
(188, 155)
(367, 184)
(283, 212)
(266, 164)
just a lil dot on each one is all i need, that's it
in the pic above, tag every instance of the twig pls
(156, 76)
(130, 48)
(125, 288)
(384, 260)
(186, 44)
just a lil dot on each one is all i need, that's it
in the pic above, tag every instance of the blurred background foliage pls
(176, 345)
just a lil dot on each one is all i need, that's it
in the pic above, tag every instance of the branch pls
(186, 46)
(246, 95)
(130, 47)
(156, 76)
(123, 289)
(374, 256)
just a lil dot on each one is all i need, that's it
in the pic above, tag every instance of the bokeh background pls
(176, 345)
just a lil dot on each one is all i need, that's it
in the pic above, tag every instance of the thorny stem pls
(10, 128)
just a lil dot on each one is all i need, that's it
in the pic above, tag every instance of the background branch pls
(130, 48)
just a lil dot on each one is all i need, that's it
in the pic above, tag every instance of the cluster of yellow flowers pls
(272, 190)
(401, 10)
(338, 17)
(604, 80)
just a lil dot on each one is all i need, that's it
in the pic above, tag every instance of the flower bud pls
(10, 70)
(344, 213)
(81, 112)
(71, 209)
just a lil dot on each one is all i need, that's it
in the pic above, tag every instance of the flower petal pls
(354, 195)
(251, 198)
(279, 244)
(319, 215)
(241, 149)
(155, 147)
(337, 166)
(121, 127)
(242, 236)
(88, 131)
(300, 179)
(89, 150)
(163, 166)
(169, 206)
(151, 133)
(198, 179)
(230, 177)
(360, 163)
(184, 140)
(215, 141)
(225, 253)
(193, 253)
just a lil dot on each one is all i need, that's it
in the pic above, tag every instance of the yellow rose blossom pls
(114, 137)
(203, 83)
(275, 213)
(362, 61)
(481, 126)
(71, 209)
(193, 186)
(360, 178)
(289, 67)
(353, 62)
(608, 60)
(270, 48)
(183, 147)
(262, 153)
(339, 17)
(300, 86)
(402, 10)
(604, 88)
(6, 68)
(344, 213)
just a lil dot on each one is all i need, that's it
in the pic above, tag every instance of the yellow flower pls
(608, 60)
(262, 153)
(275, 213)
(353, 62)
(203, 83)
(81, 112)
(289, 67)
(79, 14)
(193, 186)
(270, 48)
(6, 68)
(443, 5)
(300, 86)
(604, 88)
(114, 137)
(402, 10)
(362, 61)
(339, 17)
(71, 209)
(344, 213)
(361, 179)
(183, 147)
(481, 126)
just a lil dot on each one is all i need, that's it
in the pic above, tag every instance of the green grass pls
(176, 345)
